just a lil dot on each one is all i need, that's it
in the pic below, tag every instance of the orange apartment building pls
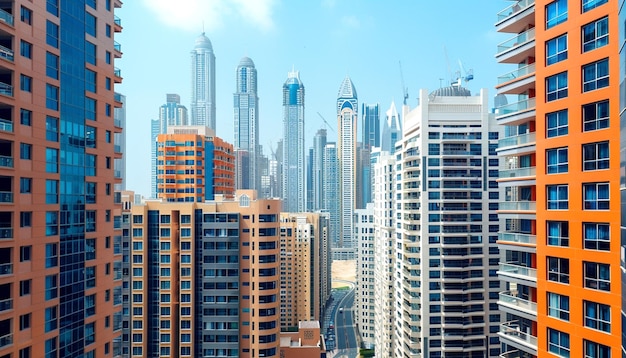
(305, 268)
(202, 278)
(194, 165)
(58, 209)
(560, 244)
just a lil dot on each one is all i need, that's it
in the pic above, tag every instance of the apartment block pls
(364, 289)
(305, 265)
(58, 211)
(559, 265)
(194, 165)
(202, 278)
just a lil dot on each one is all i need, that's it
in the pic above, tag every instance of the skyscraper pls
(319, 142)
(347, 117)
(294, 166)
(370, 134)
(331, 192)
(172, 113)
(392, 129)
(119, 140)
(246, 111)
(203, 83)
(364, 289)
(59, 210)
(559, 242)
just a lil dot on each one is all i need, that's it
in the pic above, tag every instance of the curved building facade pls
(246, 108)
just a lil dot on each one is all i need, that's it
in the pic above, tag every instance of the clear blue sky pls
(323, 39)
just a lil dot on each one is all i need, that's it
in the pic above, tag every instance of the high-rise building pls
(392, 129)
(364, 289)
(363, 190)
(246, 111)
(294, 165)
(347, 117)
(194, 165)
(172, 113)
(119, 140)
(304, 267)
(559, 248)
(309, 180)
(59, 213)
(622, 86)
(203, 83)
(370, 134)
(331, 192)
(202, 278)
(384, 254)
(446, 285)
(319, 142)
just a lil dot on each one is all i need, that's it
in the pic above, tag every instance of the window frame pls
(597, 276)
(559, 16)
(599, 70)
(559, 154)
(595, 316)
(560, 346)
(563, 229)
(597, 202)
(597, 121)
(601, 239)
(596, 156)
(561, 307)
(558, 269)
(557, 123)
(557, 203)
(554, 49)
(594, 34)
(560, 90)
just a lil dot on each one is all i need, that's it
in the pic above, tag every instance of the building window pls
(90, 137)
(52, 223)
(26, 15)
(25, 321)
(556, 13)
(107, 83)
(107, 57)
(52, 6)
(90, 249)
(26, 49)
(556, 124)
(596, 156)
(558, 306)
(26, 185)
(52, 34)
(558, 233)
(556, 50)
(595, 116)
(51, 255)
(556, 86)
(558, 343)
(596, 350)
(596, 75)
(51, 318)
(557, 197)
(597, 316)
(556, 160)
(91, 53)
(108, 30)
(52, 191)
(90, 80)
(52, 97)
(597, 236)
(52, 65)
(90, 108)
(25, 253)
(592, 4)
(26, 117)
(26, 219)
(26, 83)
(52, 129)
(25, 286)
(51, 287)
(90, 24)
(596, 196)
(26, 151)
(558, 269)
(52, 160)
(595, 34)
(597, 276)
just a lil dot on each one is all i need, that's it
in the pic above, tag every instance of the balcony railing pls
(6, 17)
(6, 125)
(117, 20)
(117, 46)
(516, 41)
(6, 340)
(6, 269)
(6, 197)
(6, 304)
(6, 89)
(117, 72)
(522, 71)
(518, 205)
(7, 53)
(518, 173)
(512, 330)
(513, 269)
(514, 9)
(6, 233)
(517, 140)
(508, 297)
(516, 107)
(117, 97)
(517, 238)
(6, 162)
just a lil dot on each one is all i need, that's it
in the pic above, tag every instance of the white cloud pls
(190, 15)
(350, 22)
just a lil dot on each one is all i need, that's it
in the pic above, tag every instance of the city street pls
(341, 335)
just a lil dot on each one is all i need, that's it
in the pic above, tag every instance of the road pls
(345, 338)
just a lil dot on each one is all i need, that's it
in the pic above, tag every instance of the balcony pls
(509, 301)
(117, 49)
(518, 81)
(517, 145)
(117, 75)
(6, 89)
(6, 17)
(511, 334)
(516, 113)
(6, 125)
(518, 48)
(518, 174)
(6, 301)
(518, 206)
(516, 353)
(117, 24)
(117, 97)
(6, 189)
(516, 17)
(521, 274)
(517, 238)
(6, 53)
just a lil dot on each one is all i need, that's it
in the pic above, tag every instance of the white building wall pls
(364, 293)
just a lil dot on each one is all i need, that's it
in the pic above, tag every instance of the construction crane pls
(405, 90)
(466, 75)
(325, 121)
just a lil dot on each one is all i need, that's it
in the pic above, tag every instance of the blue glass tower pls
(294, 192)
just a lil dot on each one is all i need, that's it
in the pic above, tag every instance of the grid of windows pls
(595, 34)
(556, 123)
(597, 236)
(596, 196)
(558, 306)
(595, 116)
(556, 50)
(557, 197)
(596, 75)
(597, 316)
(556, 160)
(556, 86)
(596, 156)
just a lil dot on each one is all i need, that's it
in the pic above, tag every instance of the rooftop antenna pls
(202, 26)
(405, 90)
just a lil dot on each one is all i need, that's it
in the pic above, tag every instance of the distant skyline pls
(326, 40)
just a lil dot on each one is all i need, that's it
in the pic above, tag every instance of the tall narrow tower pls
(294, 199)
(246, 104)
(203, 83)
(319, 142)
(347, 116)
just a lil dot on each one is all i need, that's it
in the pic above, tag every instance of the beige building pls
(304, 267)
(307, 342)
